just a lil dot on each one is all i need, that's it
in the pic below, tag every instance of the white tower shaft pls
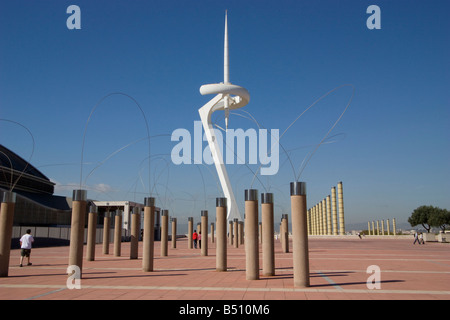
(228, 96)
(226, 59)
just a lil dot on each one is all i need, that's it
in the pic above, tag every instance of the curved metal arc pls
(162, 155)
(31, 155)
(89, 118)
(12, 170)
(307, 159)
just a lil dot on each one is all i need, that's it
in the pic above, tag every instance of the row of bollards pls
(252, 233)
(376, 232)
(299, 232)
(323, 217)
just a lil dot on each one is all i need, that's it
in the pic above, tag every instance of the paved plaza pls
(338, 271)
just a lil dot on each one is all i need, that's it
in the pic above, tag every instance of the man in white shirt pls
(25, 245)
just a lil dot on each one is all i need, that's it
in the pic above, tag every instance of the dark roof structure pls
(15, 171)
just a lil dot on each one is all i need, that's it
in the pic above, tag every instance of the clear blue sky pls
(391, 149)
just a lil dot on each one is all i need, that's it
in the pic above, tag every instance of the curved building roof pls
(29, 179)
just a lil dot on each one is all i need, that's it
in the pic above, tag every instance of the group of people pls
(418, 237)
(197, 237)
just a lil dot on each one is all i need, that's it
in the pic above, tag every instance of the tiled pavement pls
(338, 271)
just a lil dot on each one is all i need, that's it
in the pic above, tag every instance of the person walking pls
(195, 237)
(416, 238)
(199, 240)
(25, 245)
(421, 238)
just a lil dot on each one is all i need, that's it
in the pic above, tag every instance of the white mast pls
(226, 60)
(228, 96)
(226, 71)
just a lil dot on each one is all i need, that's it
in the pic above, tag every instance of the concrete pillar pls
(285, 233)
(230, 232)
(368, 228)
(8, 202)
(260, 232)
(324, 217)
(251, 235)
(77, 229)
(300, 235)
(106, 231)
(212, 233)
(378, 227)
(174, 233)
(308, 221)
(190, 232)
(388, 227)
(394, 227)
(267, 233)
(236, 233)
(317, 219)
(157, 224)
(118, 233)
(329, 224)
(164, 232)
(314, 220)
(373, 228)
(334, 211)
(260, 237)
(382, 227)
(204, 220)
(135, 232)
(92, 229)
(341, 209)
(199, 227)
(149, 234)
(241, 232)
(221, 245)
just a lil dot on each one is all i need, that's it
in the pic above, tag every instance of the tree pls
(422, 215)
(429, 216)
(440, 219)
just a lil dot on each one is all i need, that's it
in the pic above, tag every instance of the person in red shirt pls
(195, 237)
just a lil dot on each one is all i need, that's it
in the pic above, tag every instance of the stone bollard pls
(267, 234)
(149, 234)
(221, 225)
(77, 229)
(251, 234)
(300, 234)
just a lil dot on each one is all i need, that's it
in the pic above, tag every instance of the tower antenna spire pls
(226, 71)
(226, 59)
